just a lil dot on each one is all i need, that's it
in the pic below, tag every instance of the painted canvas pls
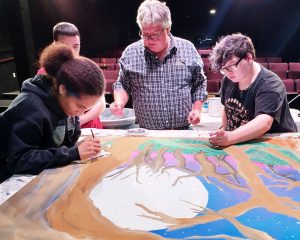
(164, 188)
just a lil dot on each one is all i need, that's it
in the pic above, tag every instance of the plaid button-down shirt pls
(162, 91)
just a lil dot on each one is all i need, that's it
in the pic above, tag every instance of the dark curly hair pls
(79, 75)
(228, 46)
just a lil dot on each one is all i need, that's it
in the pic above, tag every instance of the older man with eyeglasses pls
(164, 74)
(254, 98)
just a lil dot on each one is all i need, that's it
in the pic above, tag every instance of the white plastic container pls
(215, 107)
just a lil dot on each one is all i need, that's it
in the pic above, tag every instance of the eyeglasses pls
(154, 37)
(230, 68)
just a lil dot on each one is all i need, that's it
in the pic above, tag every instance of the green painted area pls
(290, 154)
(185, 145)
(106, 145)
(256, 150)
(258, 153)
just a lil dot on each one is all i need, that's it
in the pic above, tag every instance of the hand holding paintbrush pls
(219, 138)
(89, 147)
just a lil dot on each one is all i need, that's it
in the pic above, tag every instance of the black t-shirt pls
(266, 95)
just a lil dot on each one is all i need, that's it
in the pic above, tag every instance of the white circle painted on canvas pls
(117, 197)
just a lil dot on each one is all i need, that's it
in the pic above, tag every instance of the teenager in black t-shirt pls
(254, 98)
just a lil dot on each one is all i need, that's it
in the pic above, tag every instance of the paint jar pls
(205, 107)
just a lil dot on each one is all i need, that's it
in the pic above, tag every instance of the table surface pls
(187, 187)
(208, 124)
(12, 185)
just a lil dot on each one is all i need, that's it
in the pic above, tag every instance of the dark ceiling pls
(272, 24)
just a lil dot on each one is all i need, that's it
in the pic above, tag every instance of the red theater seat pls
(294, 66)
(206, 61)
(213, 75)
(297, 83)
(289, 85)
(111, 77)
(108, 60)
(280, 69)
(281, 74)
(206, 65)
(294, 70)
(96, 59)
(108, 63)
(278, 66)
(213, 86)
(260, 59)
(274, 59)
(265, 64)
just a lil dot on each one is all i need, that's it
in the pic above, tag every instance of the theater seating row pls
(291, 85)
(283, 70)
(288, 72)
(206, 52)
(213, 85)
(107, 63)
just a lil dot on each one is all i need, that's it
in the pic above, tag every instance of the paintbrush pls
(92, 133)
(218, 128)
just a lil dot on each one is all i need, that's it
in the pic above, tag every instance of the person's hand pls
(116, 108)
(220, 138)
(194, 117)
(89, 147)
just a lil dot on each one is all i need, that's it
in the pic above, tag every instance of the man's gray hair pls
(236, 44)
(154, 12)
